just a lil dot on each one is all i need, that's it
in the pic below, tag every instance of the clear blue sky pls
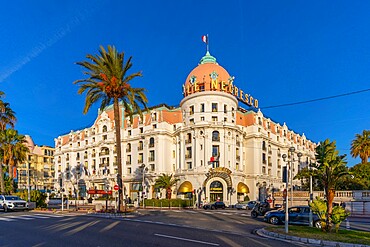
(279, 51)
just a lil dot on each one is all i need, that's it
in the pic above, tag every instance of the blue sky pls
(279, 51)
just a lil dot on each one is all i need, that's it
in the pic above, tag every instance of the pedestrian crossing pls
(200, 211)
(29, 217)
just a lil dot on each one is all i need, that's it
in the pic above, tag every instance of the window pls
(140, 160)
(189, 165)
(173, 154)
(151, 156)
(232, 112)
(188, 153)
(270, 152)
(188, 138)
(214, 119)
(192, 121)
(214, 107)
(154, 126)
(201, 118)
(141, 146)
(128, 170)
(129, 132)
(191, 110)
(128, 161)
(215, 150)
(128, 147)
(215, 136)
(201, 107)
(152, 167)
(141, 130)
(105, 137)
(154, 116)
(105, 128)
(263, 145)
(225, 108)
(264, 158)
(151, 142)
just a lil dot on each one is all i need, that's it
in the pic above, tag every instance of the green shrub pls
(167, 203)
(36, 196)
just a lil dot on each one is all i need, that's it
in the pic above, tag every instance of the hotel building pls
(217, 149)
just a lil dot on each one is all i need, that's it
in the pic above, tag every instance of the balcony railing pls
(151, 145)
(187, 156)
(140, 148)
(151, 159)
(188, 141)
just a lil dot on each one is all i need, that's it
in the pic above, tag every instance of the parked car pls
(241, 205)
(215, 205)
(251, 204)
(12, 203)
(298, 215)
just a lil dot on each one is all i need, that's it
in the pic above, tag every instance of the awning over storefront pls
(185, 187)
(242, 188)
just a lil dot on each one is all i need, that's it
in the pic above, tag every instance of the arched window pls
(151, 142)
(128, 147)
(105, 129)
(104, 151)
(215, 136)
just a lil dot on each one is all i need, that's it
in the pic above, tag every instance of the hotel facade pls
(216, 148)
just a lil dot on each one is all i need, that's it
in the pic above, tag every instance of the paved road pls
(39, 229)
(146, 228)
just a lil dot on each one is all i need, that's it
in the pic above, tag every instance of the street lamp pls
(144, 169)
(310, 217)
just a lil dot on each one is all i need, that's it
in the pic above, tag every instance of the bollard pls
(347, 224)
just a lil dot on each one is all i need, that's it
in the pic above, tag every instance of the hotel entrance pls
(216, 191)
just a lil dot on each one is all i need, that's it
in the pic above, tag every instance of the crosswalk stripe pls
(36, 216)
(19, 217)
(49, 215)
(5, 219)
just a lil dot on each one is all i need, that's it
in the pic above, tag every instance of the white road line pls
(5, 219)
(49, 215)
(35, 216)
(186, 239)
(20, 218)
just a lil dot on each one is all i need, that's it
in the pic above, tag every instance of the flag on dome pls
(205, 39)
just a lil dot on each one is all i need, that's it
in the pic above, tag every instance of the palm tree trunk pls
(169, 193)
(330, 198)
(117, 124)
(2, 183)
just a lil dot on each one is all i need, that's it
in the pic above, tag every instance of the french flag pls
(205, 39)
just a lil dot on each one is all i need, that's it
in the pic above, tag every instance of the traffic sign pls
(116, 187)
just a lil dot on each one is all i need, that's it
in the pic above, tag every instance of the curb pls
(263, 233)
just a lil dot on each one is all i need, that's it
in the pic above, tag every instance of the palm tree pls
(7, 117)
(13, 149)
(108, 81)
(360, 146)
(166, 182)
(330, 167)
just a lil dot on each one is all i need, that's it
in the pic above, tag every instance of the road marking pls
(186, 239)
(49, 215)
(20, 218)
(5, 219)
(110, 226)
(35, 216)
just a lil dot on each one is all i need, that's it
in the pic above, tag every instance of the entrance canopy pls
(242, 188)
(185, 187)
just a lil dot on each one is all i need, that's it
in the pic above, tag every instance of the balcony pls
(151, 145)
(128, 150)
(187, 156)
(140, 148)
(128, 162)
(188, 141)
(93, 155)
(263, 161)
(151, 159)
(216, 139)
(270, 163)
(103, 153)
(238, 157)
(238, 143)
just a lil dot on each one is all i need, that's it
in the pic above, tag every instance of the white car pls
(241, 205)
(8, 202)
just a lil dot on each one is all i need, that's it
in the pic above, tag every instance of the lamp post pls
(310, 218)
(144, 169)
(289, 169)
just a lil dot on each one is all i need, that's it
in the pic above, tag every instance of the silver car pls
(13, 203)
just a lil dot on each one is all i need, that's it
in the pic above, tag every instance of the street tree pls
(165, 181)
(108, 82)
(7, 118)
(331, 167)
(13, 149)
(360, 146)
